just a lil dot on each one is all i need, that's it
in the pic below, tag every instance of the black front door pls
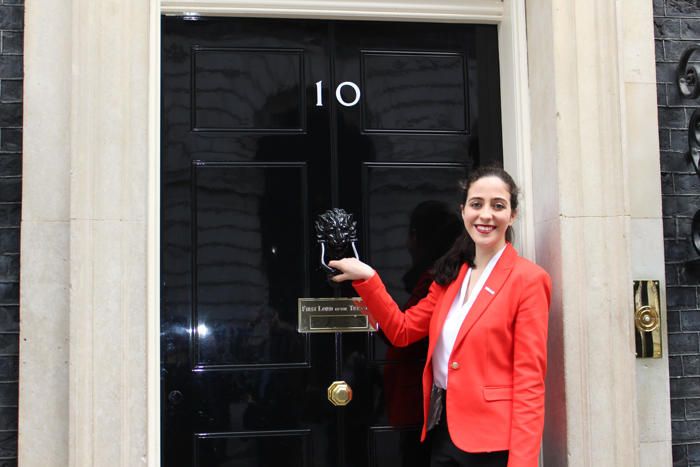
(265, 125)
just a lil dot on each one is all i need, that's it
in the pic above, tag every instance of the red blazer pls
(495, 394)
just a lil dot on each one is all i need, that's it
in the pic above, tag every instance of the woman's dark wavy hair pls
(447, 268)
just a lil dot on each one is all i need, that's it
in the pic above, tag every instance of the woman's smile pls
(484, 229)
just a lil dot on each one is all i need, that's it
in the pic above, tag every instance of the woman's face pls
(487, 214)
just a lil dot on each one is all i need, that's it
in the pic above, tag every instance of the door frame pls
(508, 15)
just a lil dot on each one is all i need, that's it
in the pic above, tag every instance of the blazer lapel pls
(495, 282)
(447, 300)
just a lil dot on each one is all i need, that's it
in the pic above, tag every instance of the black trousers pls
(446, 454)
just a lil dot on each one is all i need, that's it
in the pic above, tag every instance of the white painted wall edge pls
(515, 118)
(153, 247)
(476, 11)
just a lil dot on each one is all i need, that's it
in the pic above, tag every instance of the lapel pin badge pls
(489, 290)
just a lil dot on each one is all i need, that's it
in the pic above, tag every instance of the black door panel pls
(262, 130)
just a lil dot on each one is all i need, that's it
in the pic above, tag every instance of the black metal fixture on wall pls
(688, 80)
(687, 74)
(694, 152)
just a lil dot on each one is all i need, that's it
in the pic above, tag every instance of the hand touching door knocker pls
(336, 232)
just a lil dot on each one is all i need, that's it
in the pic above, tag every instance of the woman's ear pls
(513, 215)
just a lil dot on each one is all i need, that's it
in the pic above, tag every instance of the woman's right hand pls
(352, 269)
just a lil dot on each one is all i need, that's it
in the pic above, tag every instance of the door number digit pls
(340, 98)
(355, 87)
(319, 96)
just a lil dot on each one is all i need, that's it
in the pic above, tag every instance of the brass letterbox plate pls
(333, 315)
(647, 319)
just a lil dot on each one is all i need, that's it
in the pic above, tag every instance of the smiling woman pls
(488, 348)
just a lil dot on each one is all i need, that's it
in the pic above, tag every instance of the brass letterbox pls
(333, 315)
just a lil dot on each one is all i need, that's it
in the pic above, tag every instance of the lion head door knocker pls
(336, 232)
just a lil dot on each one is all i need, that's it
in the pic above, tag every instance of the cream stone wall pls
(647, 245)
(83, 286)
(89, 317)
(45, 243)
(598, 227)
(108, 233)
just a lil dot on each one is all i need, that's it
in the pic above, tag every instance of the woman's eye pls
(476, 205)
(499, 206)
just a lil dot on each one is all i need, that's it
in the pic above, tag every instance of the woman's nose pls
(486, 213)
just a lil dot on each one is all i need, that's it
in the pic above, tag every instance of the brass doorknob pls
(339, 393)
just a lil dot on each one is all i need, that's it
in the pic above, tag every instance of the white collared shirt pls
(454, 320)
